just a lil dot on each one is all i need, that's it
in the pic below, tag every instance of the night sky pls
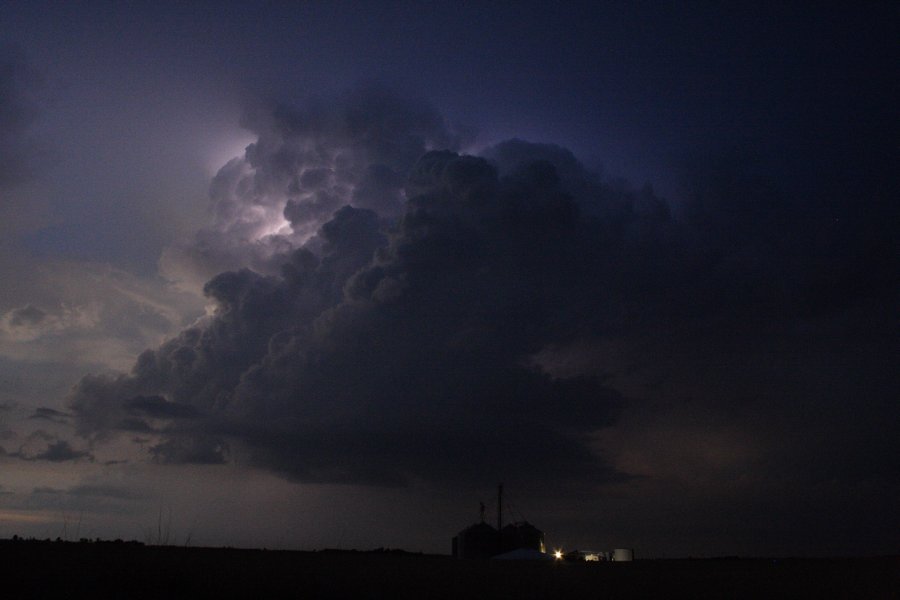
(307, 275)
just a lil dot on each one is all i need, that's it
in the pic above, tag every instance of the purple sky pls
(323, 274)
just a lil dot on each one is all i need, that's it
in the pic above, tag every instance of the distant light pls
(558, 555)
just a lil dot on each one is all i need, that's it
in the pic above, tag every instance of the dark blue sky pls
(683, 287)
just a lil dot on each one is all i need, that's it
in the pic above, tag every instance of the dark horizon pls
(106, 570)
(402, 552)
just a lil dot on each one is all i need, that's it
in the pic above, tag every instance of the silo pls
(522, 535)
(476, 541)
(623, 555)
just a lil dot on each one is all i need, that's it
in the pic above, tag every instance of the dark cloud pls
(27, 315)
(60, 451)
(430, 343)
(135, 425)
(191, 449)
(50, 414)
(40, 445)
(157, 407)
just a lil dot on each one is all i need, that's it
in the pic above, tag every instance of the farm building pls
(481, 540)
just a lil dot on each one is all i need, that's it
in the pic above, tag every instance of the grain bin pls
(623, 555)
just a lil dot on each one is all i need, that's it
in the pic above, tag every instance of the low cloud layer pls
(41, 445)
(29, 323)
(417, 313)
(86, 313)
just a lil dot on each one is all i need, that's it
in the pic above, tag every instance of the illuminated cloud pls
(305, 164)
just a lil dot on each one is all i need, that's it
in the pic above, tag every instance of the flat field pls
(126, 570)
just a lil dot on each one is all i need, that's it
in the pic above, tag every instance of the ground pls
(130, 570)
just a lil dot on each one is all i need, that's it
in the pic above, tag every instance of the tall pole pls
(500, 506)
(500, 517)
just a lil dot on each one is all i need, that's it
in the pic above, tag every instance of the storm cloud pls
(427, 306)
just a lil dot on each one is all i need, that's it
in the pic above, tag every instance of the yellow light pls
(558, 554)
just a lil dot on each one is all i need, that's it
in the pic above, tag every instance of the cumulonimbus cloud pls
(391, 332)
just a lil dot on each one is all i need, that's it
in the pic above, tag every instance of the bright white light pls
(277, 226)
(558, 555)
(226, 147)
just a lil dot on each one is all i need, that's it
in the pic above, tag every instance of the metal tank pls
(521, 535)
(623, 555)
(477, 541)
